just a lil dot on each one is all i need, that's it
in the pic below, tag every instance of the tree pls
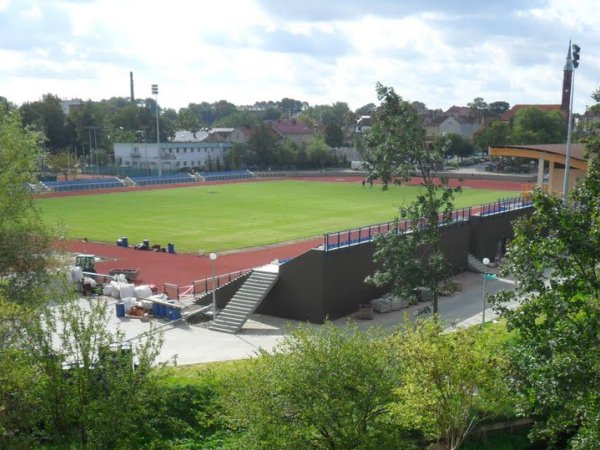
(97, 391)
(396, 146)
(24, 240)
(187, 120)
(478, 107)
(496, 109)
(334, 136)
(263, 147)
(493, 134)
(290, 107)
(456, 145)
(555, 362)
(318, 153)
(326, 388)
(450, 382)
(240, 119)
(535, 126)
(62, 163)
(47, 116)
(366, 110)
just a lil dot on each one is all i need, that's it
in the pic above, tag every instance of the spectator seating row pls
(84, 184)
(172, 178)
(226, 175)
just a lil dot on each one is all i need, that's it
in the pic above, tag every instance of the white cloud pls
(321, 52)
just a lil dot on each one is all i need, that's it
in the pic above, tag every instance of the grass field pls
(230, 216)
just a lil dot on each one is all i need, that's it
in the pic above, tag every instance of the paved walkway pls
(194, 343)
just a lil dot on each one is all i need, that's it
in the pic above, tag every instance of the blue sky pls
(439, 52)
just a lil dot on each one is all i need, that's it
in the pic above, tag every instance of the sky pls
(439, 52)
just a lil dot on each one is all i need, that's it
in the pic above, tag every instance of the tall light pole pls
(90, 128)
(143, 132)
(155, 92)
(213, 259)
(571, 65)
(486, 263)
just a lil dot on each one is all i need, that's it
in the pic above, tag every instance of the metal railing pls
(505, 204)
(209, 284)
(355, 236)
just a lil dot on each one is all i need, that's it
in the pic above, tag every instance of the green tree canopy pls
(325, 388)
(450, 382)
(24, 240)
(496, 133)
(535, 126)
(396, 150)
(555, 260)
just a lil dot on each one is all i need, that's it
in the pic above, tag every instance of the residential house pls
(240, 135)
(363, 124)
(292, 129)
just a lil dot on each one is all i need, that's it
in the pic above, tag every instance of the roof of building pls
(189, 136)
(516, 108)
(549, 152)
(364, 121)
(291, 126)
(461, 111)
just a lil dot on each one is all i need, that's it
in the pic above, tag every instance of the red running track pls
(183, 268)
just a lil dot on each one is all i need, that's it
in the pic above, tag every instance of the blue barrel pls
(171, 247)
(155, 309)
(125, 241)
(120, 307)
(146, 243)
(173, 313)
(119, 242)
(162, 311)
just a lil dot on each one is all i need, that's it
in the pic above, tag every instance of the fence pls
(210, 284)
(354, 236)
(505, 204)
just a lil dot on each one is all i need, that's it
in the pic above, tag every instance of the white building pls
(173, 156)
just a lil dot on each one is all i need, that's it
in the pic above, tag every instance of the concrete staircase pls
(245, 301)
(475, 265)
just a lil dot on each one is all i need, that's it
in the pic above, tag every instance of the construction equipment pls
(86, 262)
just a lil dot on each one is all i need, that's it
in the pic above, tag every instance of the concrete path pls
(186, 343)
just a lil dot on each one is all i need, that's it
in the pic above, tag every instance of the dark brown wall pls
(487, 231)
(319, 285)
(298, 293)
(344, 287)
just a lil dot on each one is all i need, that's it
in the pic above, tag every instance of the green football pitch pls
(232, 216)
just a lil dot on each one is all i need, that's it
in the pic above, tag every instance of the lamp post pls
(486, 262)
(155, 92)
(213, 258)
(143, 133)
(571, 65)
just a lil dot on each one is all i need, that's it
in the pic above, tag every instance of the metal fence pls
(505, 204)
(354, 236)
(206, 285)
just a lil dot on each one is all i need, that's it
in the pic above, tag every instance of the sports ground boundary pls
(183, 268)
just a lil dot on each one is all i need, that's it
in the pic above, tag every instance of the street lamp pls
(572, 64)
(155, 92)
(486, 263)
(213, 258)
